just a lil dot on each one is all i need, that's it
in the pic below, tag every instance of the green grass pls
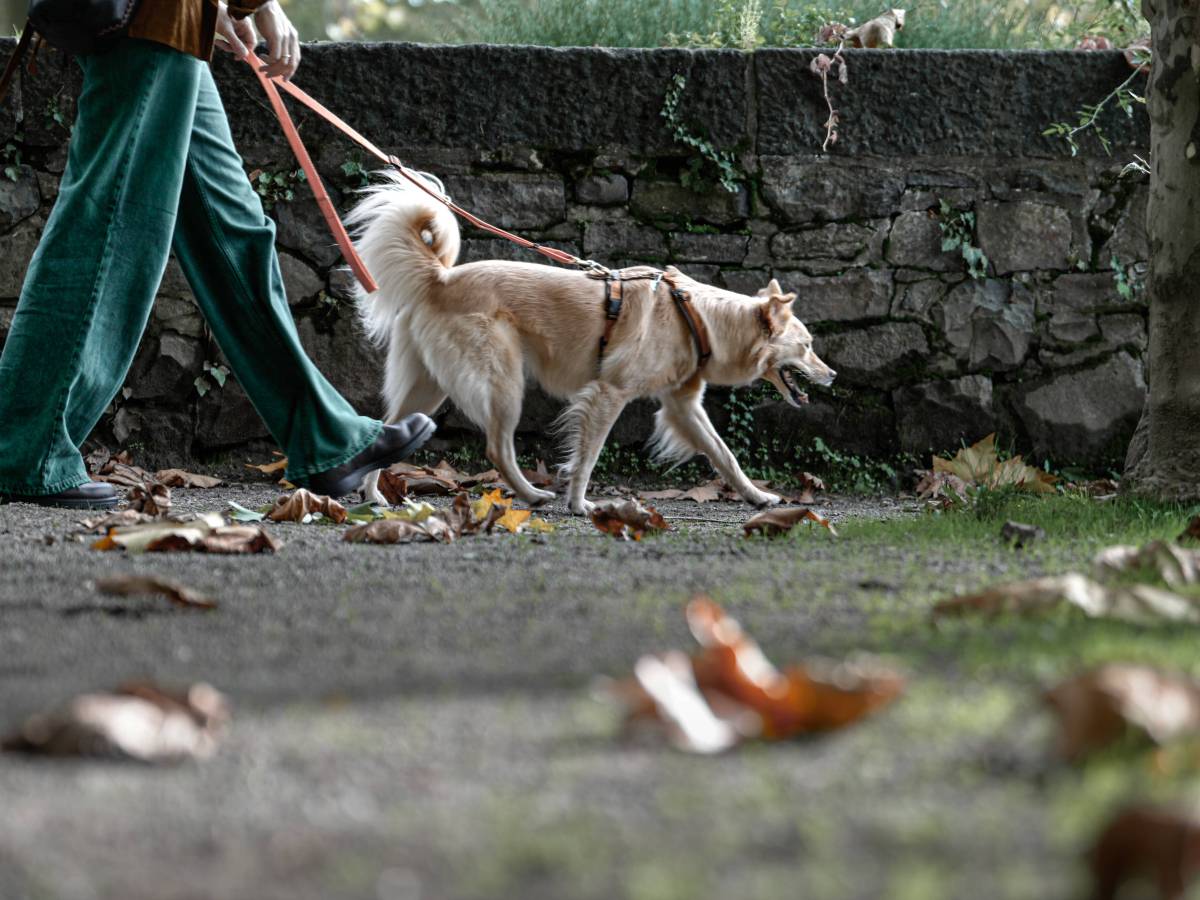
(748, 24)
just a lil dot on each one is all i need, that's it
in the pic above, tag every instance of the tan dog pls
(473, 332)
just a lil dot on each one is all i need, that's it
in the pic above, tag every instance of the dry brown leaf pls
(980, 466)
(703, 493)
(1139, 603)
(400, 531)
(272, 468)
(180, 478)
(122, 475)
(1146, 842)
(120, 519)
(137, 721)
(301, 505)
(1177, 566)
(730, 691)
(780, 520)
(877, 32)
(489, 477)
(207, 533)
(180, 595)
(669, 494)
(1098, 707)
(151, 498)
(627, 519)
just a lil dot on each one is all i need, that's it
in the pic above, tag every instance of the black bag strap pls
(14, 61)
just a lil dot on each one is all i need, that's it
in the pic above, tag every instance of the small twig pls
(822, 65)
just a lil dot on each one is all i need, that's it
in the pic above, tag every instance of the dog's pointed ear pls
(672, 272)
(776, 311)
(771, 290)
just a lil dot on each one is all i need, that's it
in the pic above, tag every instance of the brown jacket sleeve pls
(243, 8)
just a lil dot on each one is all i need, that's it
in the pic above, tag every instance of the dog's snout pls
(832, 374)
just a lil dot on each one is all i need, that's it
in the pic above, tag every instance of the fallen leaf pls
(669, 494)
(150, 498)
(1177, 566)
(1146, 842)
(1139, 603)
(627, 519)
(180, 595)
(703, 493)
(539, 526)
(207, 533)
(119, 519)
(1098, 707)
(980, 466)
(730, 691)
(180, 478)
(137, 721)
(122, 475)
(514, 520)
(780, 520)
(272, 468)
(491, 476)
(481, 507)
(539, 477)
(239, 513)
(399, 531)
(402, 479)
(303, 506)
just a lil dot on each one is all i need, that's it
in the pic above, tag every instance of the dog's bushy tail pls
(406, 238)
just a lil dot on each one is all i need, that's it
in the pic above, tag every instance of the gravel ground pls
(418, 722)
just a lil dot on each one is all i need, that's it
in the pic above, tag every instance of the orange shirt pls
(186, 25)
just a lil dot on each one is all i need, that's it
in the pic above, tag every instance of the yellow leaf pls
(514, 519)
(481, 507)
(541, 526)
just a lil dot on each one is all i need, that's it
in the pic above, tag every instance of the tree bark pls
(1164, 458)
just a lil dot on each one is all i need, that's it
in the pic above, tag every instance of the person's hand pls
(238, 33)
(283, 42)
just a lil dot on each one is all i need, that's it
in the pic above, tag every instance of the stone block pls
(180, 316)
(478, 249)
(802, 190)
(166, 368)
(1125, 330)
(916, 299)
(859, 423)
(605, 241)
(344, 355)
(163, 435)
(988, 324)
(227, 419)
(710, 248)
(916, 241)
(1128, 242)
(670, 201)
(877, 356)
(842, 241)
(301, 228)
(1069, 306)
(602, 190)
(342, 283)
(1085, 416)
(858, 294)
(174, 283)
(19, 197)
(299, 279)
(1024, 235)
(746, 281)
(511, 201)
(16, 249)
(940, 415)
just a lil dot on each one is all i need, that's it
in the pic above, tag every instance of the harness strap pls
(695, 324)
(14, 61)
(614, 298)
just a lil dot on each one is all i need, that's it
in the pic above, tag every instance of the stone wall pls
(570, 147)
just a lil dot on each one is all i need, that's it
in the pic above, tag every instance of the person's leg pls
(90, 286)
(226, 247)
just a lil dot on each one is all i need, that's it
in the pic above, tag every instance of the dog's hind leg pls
(588, 422)
(683, 421)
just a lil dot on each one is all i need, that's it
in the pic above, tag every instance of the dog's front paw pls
(537, 497)
(582, 507)
(375, 498)
(762, 498)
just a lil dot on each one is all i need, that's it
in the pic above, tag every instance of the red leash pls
(271, 85)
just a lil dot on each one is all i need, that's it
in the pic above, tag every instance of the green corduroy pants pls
(152, 167)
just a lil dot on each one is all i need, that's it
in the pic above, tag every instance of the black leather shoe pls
(395, 442)
(93, 495)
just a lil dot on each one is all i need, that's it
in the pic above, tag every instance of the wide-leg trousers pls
(152, 167)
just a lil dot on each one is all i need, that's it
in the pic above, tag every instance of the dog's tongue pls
(802, 398)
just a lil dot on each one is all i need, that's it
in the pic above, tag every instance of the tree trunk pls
(1164, 458)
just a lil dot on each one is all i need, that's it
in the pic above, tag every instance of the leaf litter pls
(206, 533)
(627, 519)
(781, 520)
(423, 522)
(958, 481)
(138, 721)
(132, 585)
(729, 692)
